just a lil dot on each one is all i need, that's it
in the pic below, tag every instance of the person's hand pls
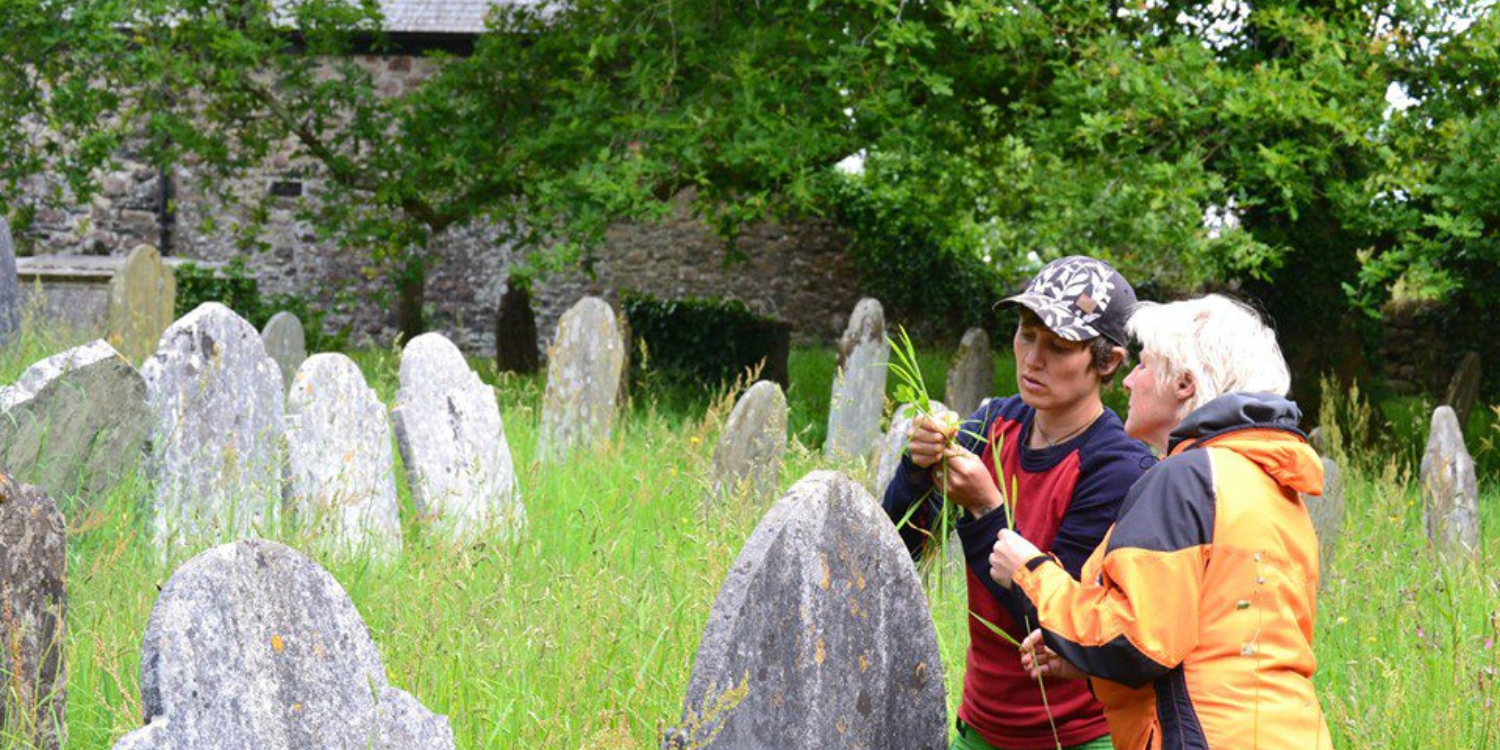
(929, 438)
(1040, 661)
(962, 476)
(1011, 552)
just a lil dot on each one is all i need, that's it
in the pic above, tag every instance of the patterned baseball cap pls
(1079, 297)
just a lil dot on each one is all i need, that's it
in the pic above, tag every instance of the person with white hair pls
(1193, 620)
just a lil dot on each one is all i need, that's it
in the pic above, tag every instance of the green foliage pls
(703, 344)
(235, 287)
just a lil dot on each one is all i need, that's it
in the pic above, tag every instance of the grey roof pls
(440, 16)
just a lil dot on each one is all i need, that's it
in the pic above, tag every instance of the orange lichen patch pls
(864, 662)
(819, 654)
(827, 572)
(277, 644)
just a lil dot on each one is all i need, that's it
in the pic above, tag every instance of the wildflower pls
(1489, 643)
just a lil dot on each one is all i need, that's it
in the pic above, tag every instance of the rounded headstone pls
(1327, 513)
(142, 301)
(820, 635)
(286, 343)
(219, 406)
(971, 373)
(33, 603)
(1450, 489)
(251, 645)
(585, 370)
(452, 442)
(10, 286)
(858, 399)
(341, 476)
(747, 457)
(893, 445)
(75, 423)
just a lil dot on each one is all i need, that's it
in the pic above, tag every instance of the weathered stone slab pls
(747, 458)
(1327, 513)
(286, 343)
(859, 385)
(75, 423)
(220, 410)
(971, 373)
(453, 443)
(1463, 389)
(10, 287)
(893, 445)
(252, 646)
(33, 603)
(142, 298)
(585, 370)
(1450, 489)
(820, 636)
(341, 475)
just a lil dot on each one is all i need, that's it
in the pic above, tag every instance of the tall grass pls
(583, 632)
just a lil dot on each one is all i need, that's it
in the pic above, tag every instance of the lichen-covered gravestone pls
(453, 443)
(219, 407)
(859, 384)
(1327, 513)
(75, 423)
(286, 343)
(1450, 489)
(971, 373)
(33, 602)
(252, 646)
(820, 636)
(142, 301)
(585, 367)
(747, 458)
(10, 286)
(893, 445)
(341, 478)
(1463, 389)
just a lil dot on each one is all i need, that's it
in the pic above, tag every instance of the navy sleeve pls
(1103, 482)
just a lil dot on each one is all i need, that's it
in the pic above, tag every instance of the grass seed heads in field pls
(585, 371)
(33, 674)
(820, 636)
(10, 286)
(286, 343)
(1327, 513)
(858, 399)
(75, 423)
(341, 475)
(142, 302)
(747, 457)
(220, 412)
(1450, 489)
(453, 444)
(253, 645)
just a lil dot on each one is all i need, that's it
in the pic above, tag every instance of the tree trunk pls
(411, 284)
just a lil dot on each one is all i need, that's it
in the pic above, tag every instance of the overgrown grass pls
(582, 634)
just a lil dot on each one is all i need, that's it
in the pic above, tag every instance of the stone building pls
(798, 273)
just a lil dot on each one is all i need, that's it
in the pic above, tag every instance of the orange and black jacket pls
(1194, 618)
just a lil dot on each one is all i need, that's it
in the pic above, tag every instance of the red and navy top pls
(1068, 497)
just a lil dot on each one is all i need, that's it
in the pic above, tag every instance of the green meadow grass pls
(582, 633)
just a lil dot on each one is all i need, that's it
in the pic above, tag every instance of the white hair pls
(1223, 344)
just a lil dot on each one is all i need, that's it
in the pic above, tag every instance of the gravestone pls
(453, 444)
(859, 384)
(285, 343)
(585, 371)
(515, 330)
(341, 476)
(33, 604)
(893, 445)
(1463, 389)
(820, 635)
(142, 302)
(75, 423)
(971, 373)
(1327, 513)
(219, 407)
(252, 646)
(1450, 489)
(10, 286)
(748, 456)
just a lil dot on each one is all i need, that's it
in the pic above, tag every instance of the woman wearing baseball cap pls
(1072, 464)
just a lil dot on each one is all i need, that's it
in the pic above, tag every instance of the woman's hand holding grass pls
(930, 437)
(1011, 552)
(968, 482)
(1040, 661)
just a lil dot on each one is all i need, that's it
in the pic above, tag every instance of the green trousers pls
(968, 739)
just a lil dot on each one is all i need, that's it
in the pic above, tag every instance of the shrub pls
(234, 286)
(704, 343)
